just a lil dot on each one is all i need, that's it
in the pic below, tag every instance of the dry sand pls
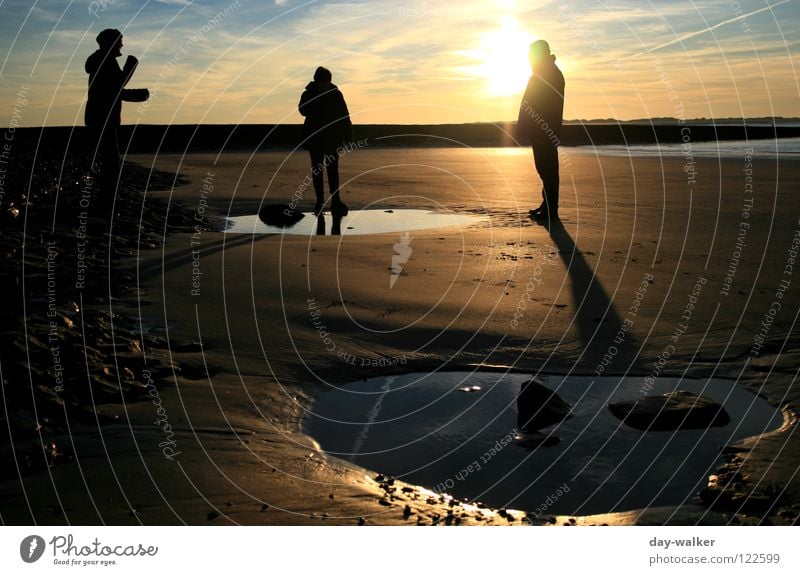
(238, 398)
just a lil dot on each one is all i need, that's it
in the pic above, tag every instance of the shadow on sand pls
(596, 319)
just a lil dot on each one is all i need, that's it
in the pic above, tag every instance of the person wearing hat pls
(326, 129)
(539, 124)
(104, 105)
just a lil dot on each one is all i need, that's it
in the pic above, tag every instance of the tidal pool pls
(455, 432)
(357, 222)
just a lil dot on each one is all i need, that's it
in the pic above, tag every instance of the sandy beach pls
(711, 259)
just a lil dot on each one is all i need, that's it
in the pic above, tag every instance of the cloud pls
(683, 37)
(409, 62)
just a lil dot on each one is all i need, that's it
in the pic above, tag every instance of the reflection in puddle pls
(358, 222)
(424, 429)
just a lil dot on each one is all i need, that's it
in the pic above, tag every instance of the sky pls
(247, 61)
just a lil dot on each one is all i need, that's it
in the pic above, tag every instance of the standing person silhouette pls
(103, 109)
(327, 128)
(539, 124)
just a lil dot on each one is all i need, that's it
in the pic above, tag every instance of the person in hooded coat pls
(539, 123)
(104, 105)
(326, 129)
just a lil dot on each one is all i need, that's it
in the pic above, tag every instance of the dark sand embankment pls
(189, 138)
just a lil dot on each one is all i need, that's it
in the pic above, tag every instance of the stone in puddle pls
(670, 412)
(539, 407)
(281, 215)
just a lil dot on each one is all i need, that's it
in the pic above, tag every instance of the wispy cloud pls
(682, 38)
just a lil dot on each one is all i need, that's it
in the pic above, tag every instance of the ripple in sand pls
(423, 429)
(359, 222)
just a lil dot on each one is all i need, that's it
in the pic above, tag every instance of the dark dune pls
(250, 137)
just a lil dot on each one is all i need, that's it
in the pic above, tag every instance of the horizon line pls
(646, 121)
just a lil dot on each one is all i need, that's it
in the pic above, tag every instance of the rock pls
(539, 407)
(281, 215)
(671, 411)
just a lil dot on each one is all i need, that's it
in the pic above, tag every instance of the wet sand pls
(507, 294)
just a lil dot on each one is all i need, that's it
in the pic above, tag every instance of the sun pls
(502, 58)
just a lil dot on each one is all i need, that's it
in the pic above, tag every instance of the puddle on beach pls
(358, 222)
(424, 429)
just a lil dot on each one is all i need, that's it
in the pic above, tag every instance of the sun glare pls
(502, 58)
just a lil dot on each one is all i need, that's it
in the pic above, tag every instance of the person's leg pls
(338, 207)
(317, 161)
(551, 185)
(332, 167)
(538, 162)
(545, 156)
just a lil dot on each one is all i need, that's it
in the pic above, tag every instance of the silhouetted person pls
(326, 128)
(539, 123)
(103, 109)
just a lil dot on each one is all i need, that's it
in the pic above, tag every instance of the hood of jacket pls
(547, 63)
(95, 60)
(318, 89)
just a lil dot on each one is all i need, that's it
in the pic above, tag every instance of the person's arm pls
(304, 106)
(525, 116)
(345, 122)
(131, 95)
(135, 95)
(550, 100)
(130, 67)
(562, 85)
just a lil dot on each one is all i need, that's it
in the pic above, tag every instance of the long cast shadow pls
(596, 318)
